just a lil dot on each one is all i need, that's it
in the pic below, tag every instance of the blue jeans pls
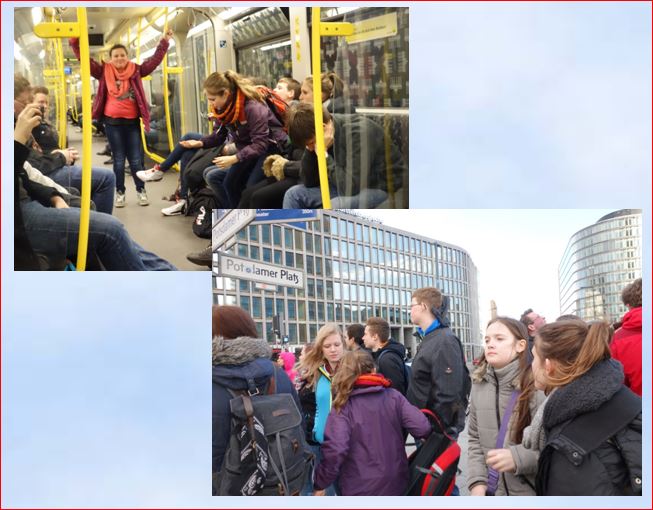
(307, 490)
(301, 197)
(103, 182)
(125, 142)
(228, 184)
(55, 232)
(182, 155)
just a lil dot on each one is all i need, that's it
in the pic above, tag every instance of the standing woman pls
(120, 103)
(318, 367)
(240, 111)
(590, 428)
(503, 399)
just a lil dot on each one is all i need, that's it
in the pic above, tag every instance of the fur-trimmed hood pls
(585, 394)
(240, 350)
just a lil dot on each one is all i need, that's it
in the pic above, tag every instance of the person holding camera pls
(58, 164)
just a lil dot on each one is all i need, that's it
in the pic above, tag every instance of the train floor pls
(169, 237)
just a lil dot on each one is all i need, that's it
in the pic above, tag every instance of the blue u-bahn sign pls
(296, 217)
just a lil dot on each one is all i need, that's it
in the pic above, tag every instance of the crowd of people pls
(550, 409)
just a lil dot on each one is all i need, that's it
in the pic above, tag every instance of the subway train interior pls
(358, 139)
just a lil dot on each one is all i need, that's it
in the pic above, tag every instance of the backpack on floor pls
(267, 454)
(277, 105)
(200, 205)
(432, 467)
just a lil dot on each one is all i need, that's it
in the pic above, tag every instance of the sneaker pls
(202, 258)
(120, 199)
(142, 198)
(154, 174)
(176, 209)
(108, 162)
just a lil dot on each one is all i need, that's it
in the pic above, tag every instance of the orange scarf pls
(234, 111)
(112, 76)
(372, 380)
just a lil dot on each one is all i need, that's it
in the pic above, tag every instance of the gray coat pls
(483, 428)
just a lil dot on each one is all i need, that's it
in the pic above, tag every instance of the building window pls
(265, 233)
(287, 235)
(253, 232)
(318, 244)
(292, 309)
(254, 252)
(242, 250)
(256, 307)
(277, 257)
(267, 255)
(309, 242)
(311, 311)
(366, 233)
(301, 310)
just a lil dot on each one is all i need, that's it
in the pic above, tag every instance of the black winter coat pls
(613, 466)
(440, 380)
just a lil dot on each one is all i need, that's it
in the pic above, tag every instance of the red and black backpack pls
(433, 466)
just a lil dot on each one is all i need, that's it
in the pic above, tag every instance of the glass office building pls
(599, 261)
(355, 267)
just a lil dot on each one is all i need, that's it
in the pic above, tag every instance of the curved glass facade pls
(598, 263)
(355, 268)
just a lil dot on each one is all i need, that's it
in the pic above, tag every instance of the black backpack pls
(194, 170)
(267, 453)
(432, 467)
(408, 371)
(200, 205)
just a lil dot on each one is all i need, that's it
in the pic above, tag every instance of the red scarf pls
(234, 111)
(372, 380)
(112, 75)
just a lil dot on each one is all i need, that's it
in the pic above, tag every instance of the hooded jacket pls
(146, 68)
(491, 391)
(614, 467)
(390, 363)
(364, 443)
(240, 364)
(440, 380)
(626, 347)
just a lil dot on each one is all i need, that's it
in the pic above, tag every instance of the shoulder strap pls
(589, 430)
(493, 475)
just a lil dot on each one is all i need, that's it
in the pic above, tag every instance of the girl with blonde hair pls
(318, 367)
(364, 438)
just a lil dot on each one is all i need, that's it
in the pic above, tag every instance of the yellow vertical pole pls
(61, 91)
(85, 63)
(320, 149)
(166, 101)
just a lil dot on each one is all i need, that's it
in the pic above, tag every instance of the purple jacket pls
(252, 138)
(363, 445)
(147, 67)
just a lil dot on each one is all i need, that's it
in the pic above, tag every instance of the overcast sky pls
(516, 252)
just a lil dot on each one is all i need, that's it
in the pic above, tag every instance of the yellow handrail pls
(319, 29)
(166, 101)
(79, 30)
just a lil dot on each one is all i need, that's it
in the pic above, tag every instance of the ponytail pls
(575, 346)
(232, 81)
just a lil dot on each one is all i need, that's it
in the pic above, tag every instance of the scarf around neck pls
(234, 111)
(112, 76)
(372, 380)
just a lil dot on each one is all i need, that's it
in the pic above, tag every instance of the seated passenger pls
(357, 164)
(57, 164)
(241, 111)
(332, 90)
(45, 133)
(288, 89)
(45, 224)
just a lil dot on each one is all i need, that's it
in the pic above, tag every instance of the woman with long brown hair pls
(589, 431)
(364, 438)
(318, 366)
(239, 110)
(503, 399)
